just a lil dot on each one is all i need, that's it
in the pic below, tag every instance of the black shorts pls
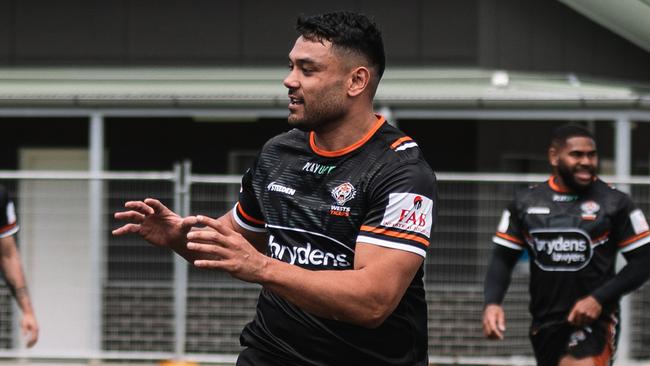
(554, 340)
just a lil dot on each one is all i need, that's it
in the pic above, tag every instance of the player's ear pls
(553, 156)
(359, 80)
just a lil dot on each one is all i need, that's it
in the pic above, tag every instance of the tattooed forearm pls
(18, 292)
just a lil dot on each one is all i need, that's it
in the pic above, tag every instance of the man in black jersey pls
(333, 220)
(12, 268)
(572, 227)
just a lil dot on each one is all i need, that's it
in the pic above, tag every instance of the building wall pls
(538, 35)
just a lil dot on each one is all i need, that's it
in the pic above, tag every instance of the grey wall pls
(538, 35)
(543, 35)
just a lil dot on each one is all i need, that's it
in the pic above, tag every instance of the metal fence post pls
(96, 239)
(622, 148)
(181, 207)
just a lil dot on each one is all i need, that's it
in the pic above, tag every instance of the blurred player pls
(572, 227)
(343, 207)
(12, 269)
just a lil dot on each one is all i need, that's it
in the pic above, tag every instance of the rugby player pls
(12, 268)
(572, 226)
(333, 220)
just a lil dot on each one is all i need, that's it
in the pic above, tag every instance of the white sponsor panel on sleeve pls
(505, 221)
(11, 213)
(639, 223)
(409, 212)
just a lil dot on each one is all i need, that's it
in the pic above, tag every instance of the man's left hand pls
(585, 311)
(225, 249)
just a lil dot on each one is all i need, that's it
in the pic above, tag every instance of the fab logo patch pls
(409, 212)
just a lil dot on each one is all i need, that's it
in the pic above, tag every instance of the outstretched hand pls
(154, 222)
(225, 249)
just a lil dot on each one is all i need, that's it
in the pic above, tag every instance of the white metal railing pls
(182, 180)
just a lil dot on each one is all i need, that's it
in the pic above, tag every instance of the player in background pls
(572, 226)
(12, 269)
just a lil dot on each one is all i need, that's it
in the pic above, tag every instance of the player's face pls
(316, 83)
(576, 162)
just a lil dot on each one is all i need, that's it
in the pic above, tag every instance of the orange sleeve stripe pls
(395, 234)
(633, 239)
(7, 227)
(248, 217)
(510, 238)
(400, 141)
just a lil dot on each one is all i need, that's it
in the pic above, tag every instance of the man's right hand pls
(154, 222)
(494, 321)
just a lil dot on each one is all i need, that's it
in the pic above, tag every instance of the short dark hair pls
(561, 134)
(350, 31)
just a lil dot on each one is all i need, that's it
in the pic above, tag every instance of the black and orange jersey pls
(8, 225)
(572, 241)
(316, 206)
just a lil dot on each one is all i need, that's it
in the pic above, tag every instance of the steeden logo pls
(275, 187)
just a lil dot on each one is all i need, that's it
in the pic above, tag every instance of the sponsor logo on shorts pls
(409, 212)
(306, 255)
(561, 250)
(578, 336)
(275, 187)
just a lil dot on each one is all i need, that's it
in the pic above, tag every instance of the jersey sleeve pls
(247, 212)
(403, 206)
(508, 231)
(8, 224)
(631, 227)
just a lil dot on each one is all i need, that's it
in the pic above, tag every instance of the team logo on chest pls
(589, 210)
(342, 194)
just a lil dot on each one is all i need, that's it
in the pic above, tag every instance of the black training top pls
(8, 225)
(572, 241)
(316, 205)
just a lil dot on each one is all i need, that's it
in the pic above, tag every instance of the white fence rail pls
(141, 303)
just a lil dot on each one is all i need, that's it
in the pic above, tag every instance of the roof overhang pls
(261, 88)
(629, 19)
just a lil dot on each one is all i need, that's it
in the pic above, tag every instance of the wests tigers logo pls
(343, 193)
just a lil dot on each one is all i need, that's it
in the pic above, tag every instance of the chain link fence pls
(140, 315)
